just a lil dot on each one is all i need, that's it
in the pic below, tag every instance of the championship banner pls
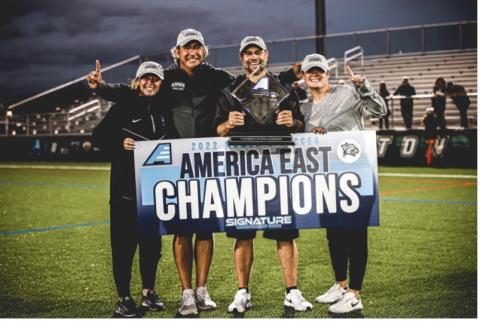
(205, 185)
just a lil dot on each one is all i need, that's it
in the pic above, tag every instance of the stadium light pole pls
(320, 26)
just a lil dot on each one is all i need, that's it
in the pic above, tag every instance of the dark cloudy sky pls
(44, 43)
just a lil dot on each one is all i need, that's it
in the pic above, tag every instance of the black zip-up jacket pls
(138, 114)
(192, 98)
(227, 103)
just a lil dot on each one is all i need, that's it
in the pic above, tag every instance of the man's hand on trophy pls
(357, 80)
(285, 118)
(95, 77)
(235, 118)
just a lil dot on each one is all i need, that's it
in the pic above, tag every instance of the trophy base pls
(260, 140)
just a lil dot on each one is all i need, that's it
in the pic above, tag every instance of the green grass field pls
(55, 252)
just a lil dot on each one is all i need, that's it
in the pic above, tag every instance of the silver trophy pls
(261, 102)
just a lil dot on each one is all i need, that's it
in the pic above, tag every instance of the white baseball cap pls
(150, 67)
(252, 41)
(187, 35)
(315, 60)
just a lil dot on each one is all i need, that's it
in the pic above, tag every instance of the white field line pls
(427, 175)
(107, 168)
(54, 167)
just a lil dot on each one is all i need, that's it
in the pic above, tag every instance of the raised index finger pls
(97, 65)
(349, 71)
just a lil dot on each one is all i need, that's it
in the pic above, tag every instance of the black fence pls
(453, 148)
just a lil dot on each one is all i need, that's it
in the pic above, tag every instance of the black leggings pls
(124, 238)
(349, 249)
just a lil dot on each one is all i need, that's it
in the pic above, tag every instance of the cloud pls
(48, 42)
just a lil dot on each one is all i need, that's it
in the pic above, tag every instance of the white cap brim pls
(306, 67)
(146, 72)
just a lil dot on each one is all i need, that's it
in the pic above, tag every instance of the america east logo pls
(162, 155)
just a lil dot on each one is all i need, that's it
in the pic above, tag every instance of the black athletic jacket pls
(192, 98)
(141, 115)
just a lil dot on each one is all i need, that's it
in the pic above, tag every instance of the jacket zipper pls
(151, 119)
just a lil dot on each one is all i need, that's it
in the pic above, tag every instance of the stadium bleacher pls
(422, 69)
(71, 109)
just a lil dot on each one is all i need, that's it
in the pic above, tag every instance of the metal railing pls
(412, 39)
(333, 65)
(80, 121)
(352, 54)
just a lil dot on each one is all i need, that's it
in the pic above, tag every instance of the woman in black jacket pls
(136, 115)
(383, 91)
(439, 101)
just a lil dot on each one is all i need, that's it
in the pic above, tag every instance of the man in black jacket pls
(461, 100)
(132, 117)
(262, 87)
(406, 104)
(192, 87)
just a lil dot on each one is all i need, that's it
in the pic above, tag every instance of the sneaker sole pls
(235, 310)
(186, 316)
(205, 308)
(354, 310)
(329, 302)
(128, 316)
(287, 305)
(148, 308)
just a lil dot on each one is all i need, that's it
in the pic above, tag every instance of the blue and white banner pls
(205, 185)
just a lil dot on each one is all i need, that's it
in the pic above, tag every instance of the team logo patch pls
(178, 86)
(349, 151)
(162, 155)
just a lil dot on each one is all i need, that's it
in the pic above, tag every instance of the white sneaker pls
(295, 300)
(204, 302)
(334, 294)
(347, 304)
(241, 302)
(188, 305)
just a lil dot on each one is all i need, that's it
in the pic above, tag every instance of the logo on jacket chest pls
(178, 86)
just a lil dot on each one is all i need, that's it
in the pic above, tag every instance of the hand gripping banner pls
(205, 185)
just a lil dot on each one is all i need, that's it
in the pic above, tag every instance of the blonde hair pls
(135, 83)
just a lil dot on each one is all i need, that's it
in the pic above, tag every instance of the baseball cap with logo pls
(252, 41)
(150, 67)
(315, 60)
(187, 35)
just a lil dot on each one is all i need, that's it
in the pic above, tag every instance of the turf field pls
(55, 254)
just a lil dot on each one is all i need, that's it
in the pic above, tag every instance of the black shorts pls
(277, 235)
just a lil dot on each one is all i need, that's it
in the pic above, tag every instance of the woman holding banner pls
(136, 116)
(341, 108)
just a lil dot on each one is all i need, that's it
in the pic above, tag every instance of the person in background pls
(461, 100)
(430, 122)
(406, 103)
(439, 101)
(341, 108)
(135, 115)
(384, 93)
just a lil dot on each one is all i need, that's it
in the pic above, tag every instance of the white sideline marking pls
(103, 168)
(66, 167)
(426, 175)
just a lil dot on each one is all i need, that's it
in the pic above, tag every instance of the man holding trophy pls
(260, 110)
